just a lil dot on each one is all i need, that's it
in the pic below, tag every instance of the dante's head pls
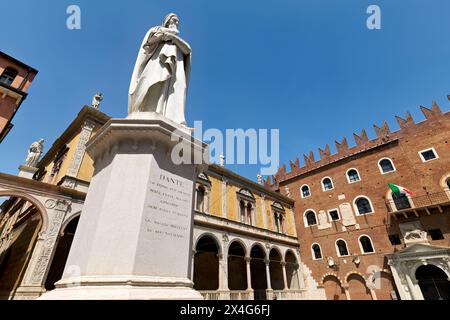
(171, 21)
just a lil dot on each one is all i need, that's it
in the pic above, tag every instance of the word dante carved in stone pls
(171, 180)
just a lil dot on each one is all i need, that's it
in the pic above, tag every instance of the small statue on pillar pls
(34, 153)
(96, 100)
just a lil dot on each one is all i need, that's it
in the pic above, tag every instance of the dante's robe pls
(160, 80)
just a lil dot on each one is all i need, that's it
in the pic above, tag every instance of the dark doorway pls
(433, 282)
(258, 272)
(61, 254)
(237, 272)
(206, 264)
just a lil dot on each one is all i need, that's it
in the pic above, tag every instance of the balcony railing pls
(251, 295)
(404, 204)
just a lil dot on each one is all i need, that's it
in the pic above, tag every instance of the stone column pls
(192, 264)
(411, 287)
(225, 273)
(297, 275)
(403, 295)
(75, 165)
(373, 294)
(249, 273)
(32, 285)
(347, 293)
(221, 271)
(269, 284)
(283, 266)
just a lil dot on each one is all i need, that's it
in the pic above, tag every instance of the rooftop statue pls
(34, 153)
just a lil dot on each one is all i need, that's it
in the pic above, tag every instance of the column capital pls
(220, 256)
(247, 259)
(283, 263)
(267, 261)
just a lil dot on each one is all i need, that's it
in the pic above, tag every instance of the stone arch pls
(333, 287)
(21, 241)
(242, 243)
(237, 266)
(212, 236)
(275, 267)
(444, 185)
(258, 257)
(38, 204)
(443, 181)
(58, 261)
(353, 273)
(433, 282)
(292, 269)
(262, 247)
(416, 266)
(278, 250)
(206, 263)
(357, 287)
(390, 200)
(68, 220)
(330, 274)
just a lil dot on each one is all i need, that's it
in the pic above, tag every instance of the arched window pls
(200, 199)
(363, 205)
(341, 246)
(448, 183)
(306, 192)
(353, 176)
(247, 205)
(279, 216)
(366, 244)
(401, 201)
(310, 218)
(327, 184)
(386, 166)
(316, 252)
(8, 76)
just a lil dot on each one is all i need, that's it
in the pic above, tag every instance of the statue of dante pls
(161, 74)
(34, 153)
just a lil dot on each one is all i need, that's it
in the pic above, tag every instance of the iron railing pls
(292, 294)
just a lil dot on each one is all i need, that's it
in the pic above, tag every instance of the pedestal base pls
(135, 288)
(27, 172)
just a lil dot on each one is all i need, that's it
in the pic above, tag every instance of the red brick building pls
(360, 240)
(15, 78)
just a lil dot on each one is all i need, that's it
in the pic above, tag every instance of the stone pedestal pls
(27, 172)
(134, 238)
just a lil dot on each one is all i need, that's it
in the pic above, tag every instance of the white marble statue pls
(96, 100)
(161, 74)
(34, 153)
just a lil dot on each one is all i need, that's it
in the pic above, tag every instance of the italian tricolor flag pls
(399, 189)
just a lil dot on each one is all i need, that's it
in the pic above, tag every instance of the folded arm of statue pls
(183, 45)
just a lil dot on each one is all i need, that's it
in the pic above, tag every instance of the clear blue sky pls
(310, 68)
